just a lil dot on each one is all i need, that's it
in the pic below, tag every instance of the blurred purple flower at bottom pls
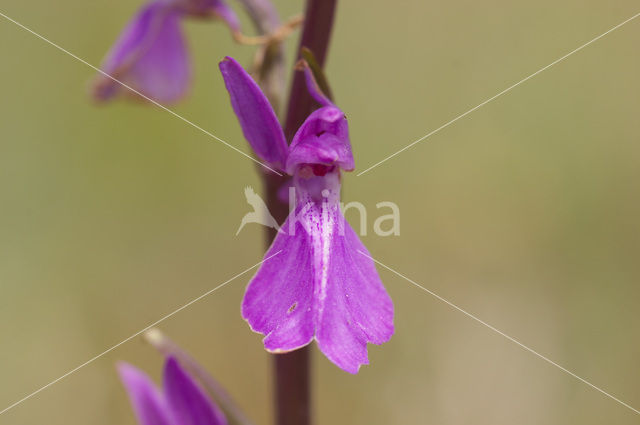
(151, 54)
(180, 402)
(320, 286)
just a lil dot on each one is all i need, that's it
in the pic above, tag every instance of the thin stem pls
(292, 370)
(277, 36)
(293, 387)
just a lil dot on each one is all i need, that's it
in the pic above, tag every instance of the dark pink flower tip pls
(181, 402)
(150, 57)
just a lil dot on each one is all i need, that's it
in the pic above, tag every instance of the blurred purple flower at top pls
(151, 54)
(181, 401)
(317, 285)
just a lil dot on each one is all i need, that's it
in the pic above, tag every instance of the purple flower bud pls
(181, 401)
(319, 286)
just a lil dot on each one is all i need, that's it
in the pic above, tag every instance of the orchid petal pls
(190, 405)
(315, 283)
(357, 309)
(278, 300)
(147, 401)
(150, 57)
(322, 139)
(259, 123)
(284, 191)
(314, 88)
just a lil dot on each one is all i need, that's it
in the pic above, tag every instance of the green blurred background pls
(525, 213)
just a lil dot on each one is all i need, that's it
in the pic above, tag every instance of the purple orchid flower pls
(317, 285)
(180, 402)
(151, 54)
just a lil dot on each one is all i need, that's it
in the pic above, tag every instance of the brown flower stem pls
(292, 370)
(293, 387)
